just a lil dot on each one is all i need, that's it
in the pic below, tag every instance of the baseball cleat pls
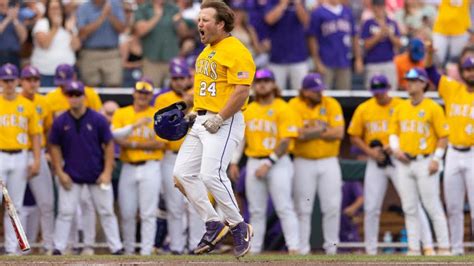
(215, 232)
(242, 234)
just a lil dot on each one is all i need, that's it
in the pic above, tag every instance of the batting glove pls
(213, 123)
(190, 117)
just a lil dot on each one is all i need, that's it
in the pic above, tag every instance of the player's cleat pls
(444, 252)
(56, 252)
(119, 252)
(215, 232)
(413, 253)
(429, 252)
(87, 251)
(242, 233)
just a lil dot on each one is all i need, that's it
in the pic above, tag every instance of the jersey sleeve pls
(34, 124)
(105, 134)
(242, 69)
(55, 133)
(336, 117)
(356, 126)
(440, 123)
(117, 121)
(446, 86)
(95, 102)
(287, 123)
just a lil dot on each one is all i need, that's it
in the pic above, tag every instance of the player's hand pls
(33, 169)
(349, 211)
(190, 117)
(234, 172)
(65, 180)
(213, 123)
(262, 171)
(142, 122)
(433, 167)
(401, 157)
(377, 154)
(104, 178)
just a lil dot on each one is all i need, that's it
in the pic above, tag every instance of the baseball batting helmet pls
(170, 123)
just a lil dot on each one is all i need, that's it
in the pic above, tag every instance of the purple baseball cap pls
(64, 74)
(30, 72)
(314, 82)
(8, 72)
(264, 73)
(379, 84)
(179, 69)
(74, 86)
(468, 62)
(417, 73)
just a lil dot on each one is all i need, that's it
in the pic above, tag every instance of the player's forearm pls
(56, 158)
(358, 203)
(239, 151)
(236, 100)
(123, 132)
(442, 143)
(109, 157)
(333, 133)
(36, 147)
(360, 143)
(282, 147)
(150, 145)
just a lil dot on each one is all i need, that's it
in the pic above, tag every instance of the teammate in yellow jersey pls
(451, 29)
(41, 185)
(369, 132)
(58, 101)
(140, 179)
(224, 73)
(459, 169)
(271, 128)
(316, 165)
(19, 124)
(176, 207)
(418, 137)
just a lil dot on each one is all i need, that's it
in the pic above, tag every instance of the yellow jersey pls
(453, 17)
(127, 116)
(266, 125)
(18, 121)
(370, 120)
(59, 103)
(419, 127)
(162, 101)
(218, 69)
(327, 113)
(45, 116)
(459, 107)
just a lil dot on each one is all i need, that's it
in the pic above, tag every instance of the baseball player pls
(224, 72)
(369, 132)
(175, 201)
(19, 128)
(140, 178)
(271, 128)
(82, 154)
(418, 137)
(41, 185)
(459, 169)
(316, 165)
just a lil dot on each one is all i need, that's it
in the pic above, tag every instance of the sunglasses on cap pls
(32, 79)
(378, 86)
(74, 94)
(143, 87)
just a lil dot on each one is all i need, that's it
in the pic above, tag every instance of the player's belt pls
(461, 149)
(260, 157)
(201, 112)
(417, 157)
(10, 151)
(137, 163)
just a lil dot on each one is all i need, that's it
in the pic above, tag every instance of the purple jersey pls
(350, 192)
(382, 51)
(334, 34)
(81, 142)
(287, 36)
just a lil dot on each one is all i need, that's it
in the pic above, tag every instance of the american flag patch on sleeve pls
(242, 75)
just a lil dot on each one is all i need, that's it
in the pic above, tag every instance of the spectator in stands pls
(55, 42)
(381, 41)
(412, 57)
(100, 22)
(333, 42)
(12, 34)
(352, 202)
(450, 32)
(287, 20)
(131, 50)
(159, 24)
(414, 16)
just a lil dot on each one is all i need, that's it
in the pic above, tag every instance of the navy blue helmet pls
(170, 123)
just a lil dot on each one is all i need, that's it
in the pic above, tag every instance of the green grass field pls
(266, 259)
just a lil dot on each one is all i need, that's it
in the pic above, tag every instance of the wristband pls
(273, 158)
(439, 153)
(267, 162)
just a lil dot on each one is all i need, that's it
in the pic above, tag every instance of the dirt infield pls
(267, 259)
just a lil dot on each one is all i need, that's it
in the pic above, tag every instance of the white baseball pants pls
(201, 166)
(139, 189)
(30, 219)
(176, 208)
(278, 184)
(448, 45)
(375, 186)
(324, 177)
(68, 203)
(458, 178)
(42, 189)
(13, 172)
(415, 183)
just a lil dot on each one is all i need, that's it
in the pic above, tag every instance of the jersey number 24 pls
(204, 89)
